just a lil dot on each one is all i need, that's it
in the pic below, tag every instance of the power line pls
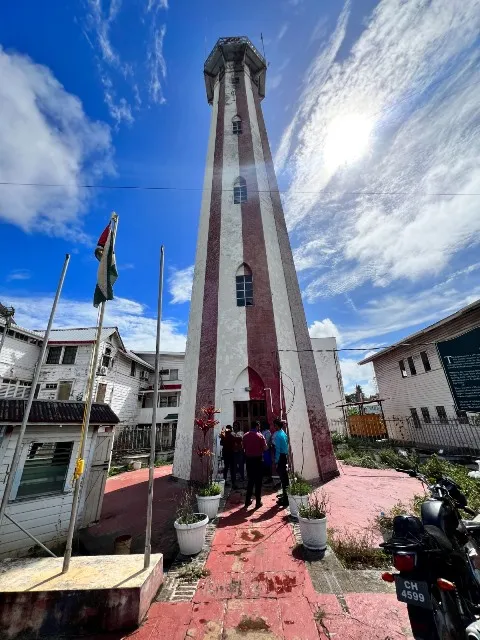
(386, 346)
(136, 187)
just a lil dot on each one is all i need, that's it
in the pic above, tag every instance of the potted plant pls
(210, 492)
(191, 527)
(312, 518)
(298, 493)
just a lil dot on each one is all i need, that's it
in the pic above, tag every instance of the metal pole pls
(148, 531)
(26, 413)
(81, 455)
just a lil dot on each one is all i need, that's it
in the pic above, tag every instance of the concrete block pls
(98, 594)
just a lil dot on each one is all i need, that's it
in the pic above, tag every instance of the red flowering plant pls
(206, 423)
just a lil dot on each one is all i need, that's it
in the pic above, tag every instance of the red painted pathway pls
(257, 589)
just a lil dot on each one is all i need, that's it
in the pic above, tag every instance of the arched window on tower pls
(239, 191)
(244, 284)
(237, 125)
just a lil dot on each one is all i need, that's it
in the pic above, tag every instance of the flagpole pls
(148, 532)
(79, 468)
(28, 406)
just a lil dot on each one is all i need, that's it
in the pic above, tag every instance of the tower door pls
(247, 411)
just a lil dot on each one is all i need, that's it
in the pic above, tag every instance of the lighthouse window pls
(237, 125)
(244, 291)
(239, 191)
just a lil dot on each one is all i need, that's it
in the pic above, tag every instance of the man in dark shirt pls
(227, 441)
(254, 445)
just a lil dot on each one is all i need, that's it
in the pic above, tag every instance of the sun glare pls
(347, 140)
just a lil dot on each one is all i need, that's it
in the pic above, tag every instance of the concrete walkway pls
(259, 588)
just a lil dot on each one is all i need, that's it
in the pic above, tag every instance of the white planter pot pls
(295, 502)
(209, 505)
(314, 533)
(191, 537)
(137, 465)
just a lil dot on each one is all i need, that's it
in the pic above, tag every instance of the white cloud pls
(157, 65)
(274, 81)
(155, 5)
(46, 137)
(353, 374)
(19, 274)
(282, 32)
(137, 327)
(324, 329)
(180, 284)
(421, 88)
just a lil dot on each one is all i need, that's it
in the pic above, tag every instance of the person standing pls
(281, 458)
(254, 446)
(267, 455)
(228, 444)
(238, 456)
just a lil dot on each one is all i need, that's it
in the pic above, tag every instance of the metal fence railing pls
(136, 440)
(456, 436)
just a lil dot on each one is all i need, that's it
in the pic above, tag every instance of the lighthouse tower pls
(248, 350)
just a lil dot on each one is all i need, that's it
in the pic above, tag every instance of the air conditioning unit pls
(102, 371)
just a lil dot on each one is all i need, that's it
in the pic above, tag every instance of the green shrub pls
(317, 507)
(210, 490)
(299, 487)
(357, 550)
(434, 467)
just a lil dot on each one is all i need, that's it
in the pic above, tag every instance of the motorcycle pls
(437, 558)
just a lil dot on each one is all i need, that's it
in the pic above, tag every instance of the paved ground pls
(259, 588)
(124, 512)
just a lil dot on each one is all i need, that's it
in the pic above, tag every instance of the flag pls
(107, 269)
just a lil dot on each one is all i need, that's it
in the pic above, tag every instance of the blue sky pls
(372, 110)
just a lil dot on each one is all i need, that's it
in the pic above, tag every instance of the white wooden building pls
(120, 375)
(41, 498)
(169, 393)
(18, 358)
(413, 385)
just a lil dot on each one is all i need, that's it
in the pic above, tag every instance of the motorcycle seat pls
(439, 537)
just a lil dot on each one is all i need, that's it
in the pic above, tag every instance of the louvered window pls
(45, 469)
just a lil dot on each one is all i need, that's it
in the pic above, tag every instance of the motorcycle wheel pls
(441, 623)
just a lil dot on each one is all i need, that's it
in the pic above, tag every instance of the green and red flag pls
(107, 269)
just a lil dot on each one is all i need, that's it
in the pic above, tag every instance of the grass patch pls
(357, 550)
(115, 471)
(192, 572)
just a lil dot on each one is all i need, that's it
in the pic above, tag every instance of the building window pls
(51, 385)
(101, 391)
(403, 371)
(411, 366)
(462, 417)
(173, 374)
(442, 415)
(416, 419)
(244, 291)
(54, 354)
(239, 191)
(426, 415)
(236, 125)
(107, 357)
(172, 401)
(45, 469)
(163, 401)
(133, 368)
(425, 361)
(64, 390)
(69, 355)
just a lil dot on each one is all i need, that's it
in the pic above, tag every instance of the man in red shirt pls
(254, 445)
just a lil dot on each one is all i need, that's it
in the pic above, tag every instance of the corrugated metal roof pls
(78, 334)
(413, 336)
(133, 356)
(54, 412)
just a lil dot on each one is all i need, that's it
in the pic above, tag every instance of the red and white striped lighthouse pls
(248, 349)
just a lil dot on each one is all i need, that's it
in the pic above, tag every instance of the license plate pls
(413, 592)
